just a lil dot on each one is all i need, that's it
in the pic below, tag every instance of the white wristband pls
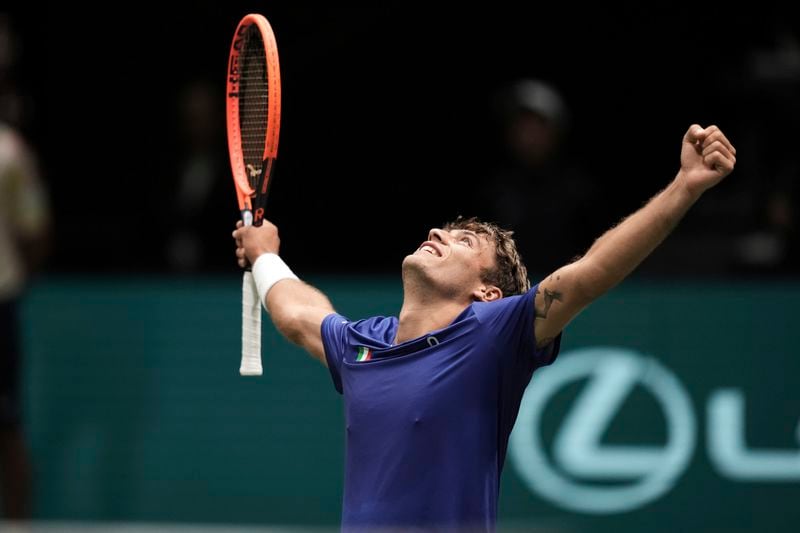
(268, 270)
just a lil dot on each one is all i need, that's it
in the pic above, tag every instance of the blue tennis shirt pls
(428, 420)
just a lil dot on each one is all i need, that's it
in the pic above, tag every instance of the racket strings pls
(253, 104)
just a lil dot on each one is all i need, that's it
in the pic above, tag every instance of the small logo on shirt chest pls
(364, 354)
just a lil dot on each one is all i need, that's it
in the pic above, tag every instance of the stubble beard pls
(417, 279)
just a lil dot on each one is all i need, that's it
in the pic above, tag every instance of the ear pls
(487, 293)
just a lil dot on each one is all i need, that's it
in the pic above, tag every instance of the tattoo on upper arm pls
(549, 298)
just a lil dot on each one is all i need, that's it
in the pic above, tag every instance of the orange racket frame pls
(245, 193)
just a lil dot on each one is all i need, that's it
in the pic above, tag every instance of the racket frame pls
(247, 196)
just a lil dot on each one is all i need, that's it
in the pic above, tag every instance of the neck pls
(418, 317)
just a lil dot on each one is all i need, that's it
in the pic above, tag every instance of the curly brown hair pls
(510, 274)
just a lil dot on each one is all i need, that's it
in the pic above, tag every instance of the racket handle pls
(251, 328)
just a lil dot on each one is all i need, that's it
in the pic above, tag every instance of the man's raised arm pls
(706, 158)
(296, 308)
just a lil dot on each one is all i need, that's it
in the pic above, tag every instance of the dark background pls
(387, 127)
(133, 405)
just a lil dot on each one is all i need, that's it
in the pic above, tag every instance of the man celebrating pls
(431, 396)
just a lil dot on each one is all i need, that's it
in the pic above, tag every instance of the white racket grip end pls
(251, 328)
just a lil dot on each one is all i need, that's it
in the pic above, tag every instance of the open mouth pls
(430, 248)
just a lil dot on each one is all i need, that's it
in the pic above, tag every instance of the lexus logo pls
(581, 473)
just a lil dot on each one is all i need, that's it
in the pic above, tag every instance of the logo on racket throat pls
(253, 171)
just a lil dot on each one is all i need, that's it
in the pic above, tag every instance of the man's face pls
(452, 261)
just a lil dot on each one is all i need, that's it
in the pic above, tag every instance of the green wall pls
(135, 410)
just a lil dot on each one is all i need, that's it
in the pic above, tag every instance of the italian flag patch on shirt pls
(364, 354)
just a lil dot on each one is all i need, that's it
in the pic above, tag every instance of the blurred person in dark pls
(750, 229)
(201, 203)
(534, 162)
(771, 92)
(24, 222)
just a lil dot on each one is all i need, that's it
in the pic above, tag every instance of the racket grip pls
(251, 328)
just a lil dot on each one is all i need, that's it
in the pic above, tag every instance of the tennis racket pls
(253, 102)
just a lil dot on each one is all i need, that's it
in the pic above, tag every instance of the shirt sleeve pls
(511, 321)
(334, 340)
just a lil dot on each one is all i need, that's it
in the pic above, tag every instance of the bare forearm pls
(621, 249)
(297, 310)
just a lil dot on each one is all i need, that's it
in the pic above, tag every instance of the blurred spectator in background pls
(24, 221)
(202, 204)
(534, 121)
(751, 227)
(772, 121)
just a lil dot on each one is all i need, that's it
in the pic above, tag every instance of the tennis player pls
(431, 395)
